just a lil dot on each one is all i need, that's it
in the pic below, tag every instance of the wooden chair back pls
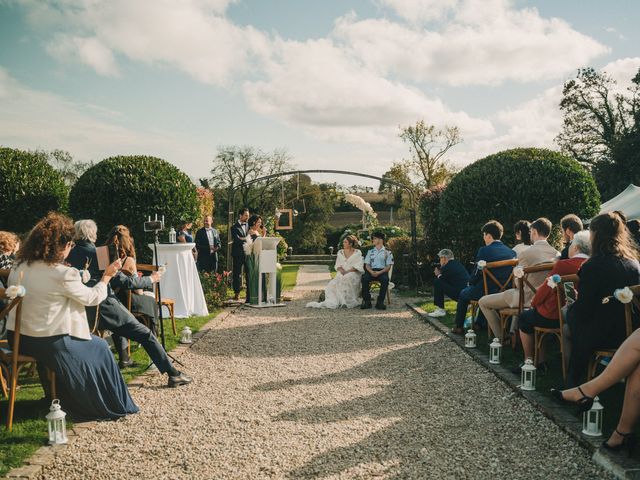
(561, 297)
(489, 277)
(524, 283)
(4, 275)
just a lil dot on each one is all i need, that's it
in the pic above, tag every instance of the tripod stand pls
(159, 298)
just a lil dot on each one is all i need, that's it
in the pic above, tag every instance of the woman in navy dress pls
(54, 327)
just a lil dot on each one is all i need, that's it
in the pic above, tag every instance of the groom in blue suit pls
(494, 250)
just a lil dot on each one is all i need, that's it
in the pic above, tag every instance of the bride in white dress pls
(344, 289)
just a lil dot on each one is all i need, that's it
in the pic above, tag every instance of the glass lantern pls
(57, 424)
(330, 250)
(528, 378)
(470, 339)
(172, 235)
(185, 335)
(592, 419)
(495, 350)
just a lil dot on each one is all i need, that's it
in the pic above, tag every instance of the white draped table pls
(181, 281)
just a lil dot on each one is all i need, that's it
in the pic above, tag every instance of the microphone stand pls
(159, 298)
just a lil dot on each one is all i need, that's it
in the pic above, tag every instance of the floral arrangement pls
(214, 286)
(481, 264)
(623, 295)
(15, 291)
(360, 204)
(518, 272)
(553, 281)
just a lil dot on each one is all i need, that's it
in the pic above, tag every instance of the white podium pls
(266, 249)
(181, 281)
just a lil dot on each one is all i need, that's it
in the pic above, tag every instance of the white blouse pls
(54, 301)
(354, 261)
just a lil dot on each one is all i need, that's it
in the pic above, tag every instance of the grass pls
(29, 425)
(289, 278)
(610, 399)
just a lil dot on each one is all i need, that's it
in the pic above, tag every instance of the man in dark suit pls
(112, 314)
(570, 225)
(451, 279)
(494, 250)
(208, 244)
(239, 237)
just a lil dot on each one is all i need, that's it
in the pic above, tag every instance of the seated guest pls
(570, 225)
(146, 305)
(207, 244)
(9, 245)
(450, 279)
(625, 364)
(613, 264)
(54, 326)
(539, 252)
(112, 314)
(634, 229)
(377, 264)
(544, 305)
(523, 235)
(492, 251)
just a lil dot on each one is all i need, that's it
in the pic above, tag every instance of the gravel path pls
(300, 393)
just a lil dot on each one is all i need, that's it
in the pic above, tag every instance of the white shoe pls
(437, 313)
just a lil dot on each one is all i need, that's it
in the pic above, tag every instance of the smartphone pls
(570, 292)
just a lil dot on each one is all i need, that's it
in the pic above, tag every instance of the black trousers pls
(207, 263)
(132, 329)
(238, 263)
(367, 278)
(441, 288)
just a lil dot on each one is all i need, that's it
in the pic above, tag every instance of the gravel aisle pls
(299, 393)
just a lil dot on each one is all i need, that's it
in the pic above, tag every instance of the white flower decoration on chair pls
(162, 269)
(553, 281)
(623, 295)
(15, 291)
(518, 272)
(482, 264)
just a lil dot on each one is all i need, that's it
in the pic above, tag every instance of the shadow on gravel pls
(317, 332)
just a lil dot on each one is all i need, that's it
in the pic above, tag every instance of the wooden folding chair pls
(540, 333)
(489, 277)
(628, 323)
(168, 303)
(377, 282)
(12, 362)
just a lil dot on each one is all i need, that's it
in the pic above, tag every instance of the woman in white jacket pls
(54, 327)
(344, 289)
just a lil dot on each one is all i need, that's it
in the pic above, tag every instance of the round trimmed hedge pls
(29, 189)
(126, 189)
(523, 183)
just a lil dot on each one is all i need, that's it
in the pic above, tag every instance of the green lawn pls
(611, 399)
(30, 427)
(289, 276)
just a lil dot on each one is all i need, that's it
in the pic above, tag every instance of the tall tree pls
(234, 166)
(428, 146)
(601, 128)
(64, 163)
(400, 173)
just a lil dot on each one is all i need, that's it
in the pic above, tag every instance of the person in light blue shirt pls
(377, 264)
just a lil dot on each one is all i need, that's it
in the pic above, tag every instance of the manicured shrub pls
(523, 183)
(125, 190)
(29, 188)
(435, 233)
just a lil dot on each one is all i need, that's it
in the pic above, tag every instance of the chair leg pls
(3, 384)
(564, 366)
(591, 368)
(537, 339)
(52, 383)
(13, 386)
(173, 320)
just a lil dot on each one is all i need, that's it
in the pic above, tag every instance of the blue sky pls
(329, 81)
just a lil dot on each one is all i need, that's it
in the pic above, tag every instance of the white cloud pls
(318, 86)
(416, 11)
(623, 70)
(87, 50)
(31, 119)
(486, 42)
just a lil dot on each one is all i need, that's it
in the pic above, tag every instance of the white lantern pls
(592, 419)
(57, 424)
(528, 379)
(172, 235)
(495, 349)
(186, 335)
(470, 339)
(330, 250)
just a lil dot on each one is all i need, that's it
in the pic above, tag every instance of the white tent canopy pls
(627, 201)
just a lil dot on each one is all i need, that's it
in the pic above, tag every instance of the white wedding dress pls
(343, 290)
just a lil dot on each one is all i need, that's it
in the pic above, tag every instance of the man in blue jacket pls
(494, 250)
(451, 279)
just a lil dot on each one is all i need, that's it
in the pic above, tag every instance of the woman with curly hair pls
(9, 245)
(54, 327)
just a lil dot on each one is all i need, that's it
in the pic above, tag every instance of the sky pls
(330, 81)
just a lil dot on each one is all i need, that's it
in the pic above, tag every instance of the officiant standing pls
(239, 232)
(208, 244)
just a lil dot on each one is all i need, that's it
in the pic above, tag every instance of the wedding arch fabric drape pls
(343, 290)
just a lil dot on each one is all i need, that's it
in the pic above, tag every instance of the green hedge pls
(523, 183)
(29, 188)
(126, 189)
